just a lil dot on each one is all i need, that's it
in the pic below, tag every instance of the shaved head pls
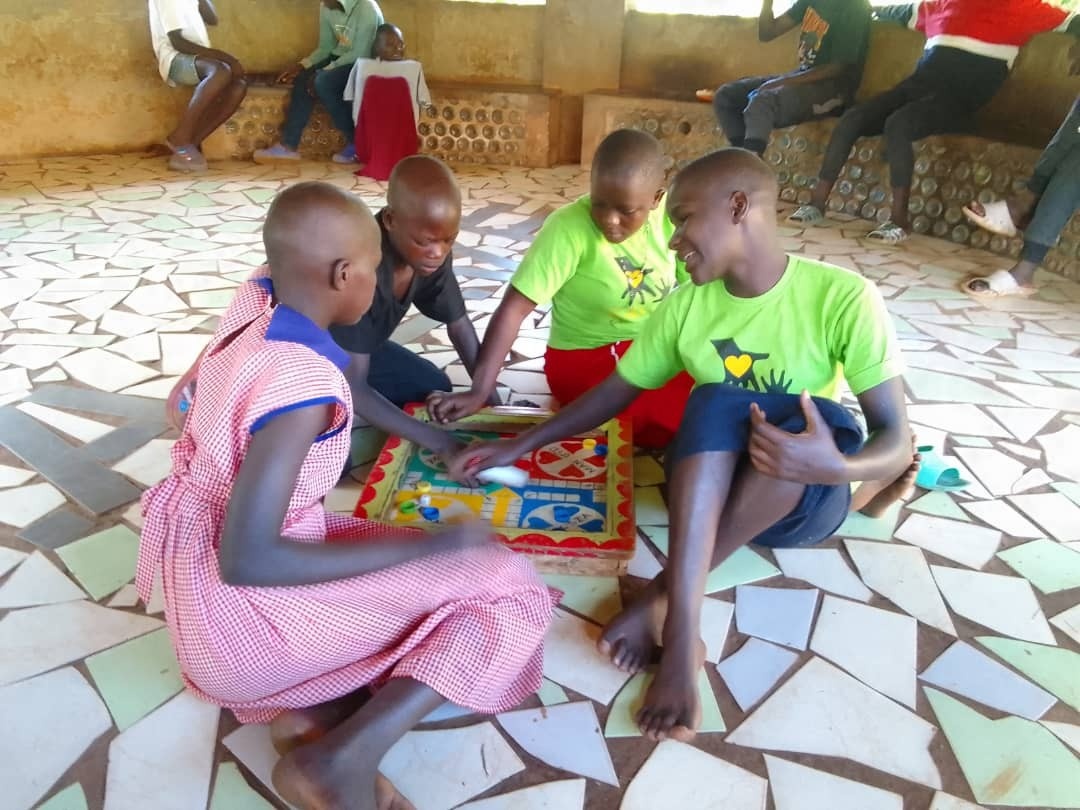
(628, 152)
(312, 225)
(729, 170)
(422, 186)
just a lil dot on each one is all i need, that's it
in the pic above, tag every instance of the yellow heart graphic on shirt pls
(738, 366)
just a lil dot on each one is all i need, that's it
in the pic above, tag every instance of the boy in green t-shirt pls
(764, 454)
(604, 264)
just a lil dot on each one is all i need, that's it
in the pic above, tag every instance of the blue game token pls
(601, 450)
(429, 513)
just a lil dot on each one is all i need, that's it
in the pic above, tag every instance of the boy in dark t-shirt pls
(833, 42)
(419, 225)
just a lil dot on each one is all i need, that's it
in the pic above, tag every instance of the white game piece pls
(425, 500)
(507, 476)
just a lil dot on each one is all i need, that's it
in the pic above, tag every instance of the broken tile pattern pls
(112, 273)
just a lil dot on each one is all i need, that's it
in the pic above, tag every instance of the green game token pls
(408, 506)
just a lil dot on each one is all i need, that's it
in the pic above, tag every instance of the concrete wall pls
(79, 76)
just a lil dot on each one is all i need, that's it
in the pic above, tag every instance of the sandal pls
(807, 215)
(935, 475)
(705, 96)
(995, 218)
(890, 233)
(187, 159)
(999, 284)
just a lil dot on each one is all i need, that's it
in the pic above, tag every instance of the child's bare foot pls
(312, 780)
(893, 491)
(672, 707)
(632, 639)
(298, 727)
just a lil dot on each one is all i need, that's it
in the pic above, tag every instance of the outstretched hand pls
(810, 457)
(288, 76)
(466, 464)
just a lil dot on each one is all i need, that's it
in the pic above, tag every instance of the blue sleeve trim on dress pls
(263, 420)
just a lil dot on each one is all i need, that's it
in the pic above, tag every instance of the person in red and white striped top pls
(970, 48)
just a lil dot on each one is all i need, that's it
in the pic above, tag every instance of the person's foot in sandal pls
(187, 159)
(999, 284)
(705, 96)
(890, 234)
(1003, 217)
(807, 215)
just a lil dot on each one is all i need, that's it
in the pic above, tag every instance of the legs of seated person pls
(655, 415)
(301, 105)
(730, 101)
(330, 87)
(219, 91)
(767, 110)
(403, 377)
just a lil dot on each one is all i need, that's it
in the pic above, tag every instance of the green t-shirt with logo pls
(600, 293)
(818, 325)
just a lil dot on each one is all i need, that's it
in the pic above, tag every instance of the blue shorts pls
(182, 70)
(717, 419)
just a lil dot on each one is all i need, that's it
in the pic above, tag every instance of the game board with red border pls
(575, 514)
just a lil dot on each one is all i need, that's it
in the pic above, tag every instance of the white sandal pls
(999, 284)
(996, 218)
(807, 215)
(890, 233)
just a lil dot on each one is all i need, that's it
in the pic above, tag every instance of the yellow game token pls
(423, 487)
(588, 444)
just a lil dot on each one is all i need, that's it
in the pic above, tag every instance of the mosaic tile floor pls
(928, 659)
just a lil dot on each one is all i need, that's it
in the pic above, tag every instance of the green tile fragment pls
(1011, 761)
(597, 598)
(939, 504)
(195, 201)
(231, 792)
(1069, 489)
(1049, 566)
(104, 561)
(551, 694)
(136, 677)
(743, 567)
(620, 720)
(70, 798)
(1054, 669)
(867, 528)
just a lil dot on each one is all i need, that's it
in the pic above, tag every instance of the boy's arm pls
(811, 457)
(208, 12)
(463, 338)
(498, 340)
(604, 402)
(326, 41)
(387, 417)
(770, 27)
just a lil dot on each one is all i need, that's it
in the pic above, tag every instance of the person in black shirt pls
(834, 36)
(419, 225)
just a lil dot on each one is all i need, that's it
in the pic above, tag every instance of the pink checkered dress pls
(469, 624)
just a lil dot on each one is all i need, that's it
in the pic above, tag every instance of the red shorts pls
(656, 414)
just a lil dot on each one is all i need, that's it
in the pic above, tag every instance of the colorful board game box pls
(575, 513)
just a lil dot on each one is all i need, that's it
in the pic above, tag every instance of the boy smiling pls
(764, 453)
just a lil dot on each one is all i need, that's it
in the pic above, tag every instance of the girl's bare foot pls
(298, 727)
(672, 708)
(893, 491)
(632, 639)
(313, 780)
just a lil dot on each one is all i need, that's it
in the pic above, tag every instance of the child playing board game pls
(282, 612)
(764, 453)
(604, 264)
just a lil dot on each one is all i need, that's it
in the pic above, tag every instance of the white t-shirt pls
(408, 69)
(172, 15)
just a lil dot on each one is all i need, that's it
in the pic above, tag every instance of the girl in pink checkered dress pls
(284, 613)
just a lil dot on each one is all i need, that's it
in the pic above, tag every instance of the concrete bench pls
(479, 124)
(949, 170)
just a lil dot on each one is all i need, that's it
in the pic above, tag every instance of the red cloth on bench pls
(385, 129)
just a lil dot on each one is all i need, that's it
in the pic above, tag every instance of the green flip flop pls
(935, 475)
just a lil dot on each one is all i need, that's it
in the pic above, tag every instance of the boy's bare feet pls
(632, 639)
(311, 779)
(672, 708)
(888, 493)
(298, 727)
